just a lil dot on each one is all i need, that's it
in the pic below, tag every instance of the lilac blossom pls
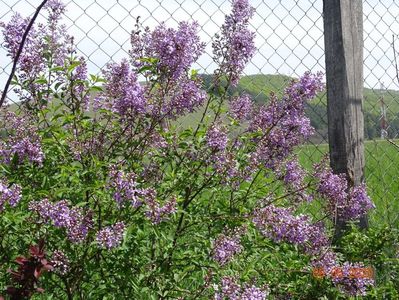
(22, 141)
(13, 32)
(305, 89)
(77, 78)
(9, 194)
(60, 43)
(123, 93)
(184, 97)
(280, 225)
(226, 246)
(111, 236)
(235, 46)
(359, 202)
(157, 213)
(46, 46)
(352, 279)
(168, 54)
(216, 138)
(43, 208)
(175, 50)
(282, 124)
(254, 293)
(240, 108)
(224, 164)
(230, 289)
(346, 205)
(351, 282)
(294, 174)
(56, 9)
(86, 146)
(60, 262)
(31, 61)
(73, 220)
(333, 187)
(325, 262)
(125, 187)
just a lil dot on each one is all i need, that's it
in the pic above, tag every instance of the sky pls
(289, 32)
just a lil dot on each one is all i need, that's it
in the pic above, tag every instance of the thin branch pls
(21, 47)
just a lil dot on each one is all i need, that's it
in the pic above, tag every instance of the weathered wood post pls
(343, 39)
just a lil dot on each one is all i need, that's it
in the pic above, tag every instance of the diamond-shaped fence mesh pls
(290, 41)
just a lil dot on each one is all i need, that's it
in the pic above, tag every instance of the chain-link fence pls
(289, 40)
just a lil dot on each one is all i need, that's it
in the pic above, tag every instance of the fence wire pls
(290, 41)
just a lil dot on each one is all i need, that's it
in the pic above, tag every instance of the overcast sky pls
(289, 32)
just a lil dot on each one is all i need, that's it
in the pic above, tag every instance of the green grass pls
(381, 173)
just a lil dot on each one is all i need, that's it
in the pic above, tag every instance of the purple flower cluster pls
(45, 46)
(305, 89)
(240, 107)
(174, 50)
(56, 9)
(326, 261)
(76, 223)
(157, 213)
(281, 225)
(351, 279)
(125, 188)
(235, 46)
(60, 262)
(216, 138)
(123, 93)
(30, 61)
(22, 141)
(232, 290)
(77, 78)
(360, 202)
(225, 164)
(9, 194)
(166, 54)
(294, 174)
(184, 96)
(227, 246)
(111, 236)
(13, 32)
(347, 205)
(282, 125)
(352, 282)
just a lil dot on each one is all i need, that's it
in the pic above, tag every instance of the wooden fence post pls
(343, 39)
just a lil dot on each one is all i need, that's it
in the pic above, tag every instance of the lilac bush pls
(132, 204)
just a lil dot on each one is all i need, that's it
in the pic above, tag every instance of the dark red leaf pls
(21, 260)
(37, 273)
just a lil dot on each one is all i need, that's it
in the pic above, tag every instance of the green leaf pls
(40, 81)
(57, 69)
(73, 66)
(96, 89)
